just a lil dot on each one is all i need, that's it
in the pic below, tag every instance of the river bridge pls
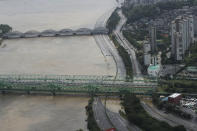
(75, 84)
(54, 33)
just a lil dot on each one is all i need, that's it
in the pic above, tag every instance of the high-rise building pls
(195, 25)
(182, 35)
(153, 39)
(147, 55)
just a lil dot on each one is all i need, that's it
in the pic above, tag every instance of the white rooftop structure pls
(174, 95)
(153, 70)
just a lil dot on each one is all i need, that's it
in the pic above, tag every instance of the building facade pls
(195, 25)
(175, 98)
(153, 35)
(182, 35)
(147, 55)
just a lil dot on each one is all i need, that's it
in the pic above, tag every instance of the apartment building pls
(182, 35)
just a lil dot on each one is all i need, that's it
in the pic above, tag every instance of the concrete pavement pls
(107, 47)
(100, 115)
(128, 46)
(120, 123)
(107, 119)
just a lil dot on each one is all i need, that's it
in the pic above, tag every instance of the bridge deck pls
(84, 84)
(53, 33)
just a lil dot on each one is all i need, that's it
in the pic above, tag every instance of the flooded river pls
(78, 55)
(46, 113)
(42, 113)
(54, 55)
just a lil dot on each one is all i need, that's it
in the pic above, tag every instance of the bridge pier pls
(3, 92)
(53, 93)
(28, 92)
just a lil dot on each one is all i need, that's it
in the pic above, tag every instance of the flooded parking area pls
(78, 55)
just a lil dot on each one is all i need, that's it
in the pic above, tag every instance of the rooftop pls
(174, 95)
(154, 67)
(191, 69)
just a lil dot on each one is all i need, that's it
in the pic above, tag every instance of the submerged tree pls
(5, 28)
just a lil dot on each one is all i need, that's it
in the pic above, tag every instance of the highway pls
(108, 48)
(120, 123)
(107, 119)
(100, 115)
(128, 46)
(169, 118)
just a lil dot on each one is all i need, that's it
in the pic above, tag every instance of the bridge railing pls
(73, 78)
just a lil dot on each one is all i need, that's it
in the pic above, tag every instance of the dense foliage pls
(137, 115)
(5, 29)
(134, 13)
(182, 86)
(113, 21)
(131, 38)
(92, 125)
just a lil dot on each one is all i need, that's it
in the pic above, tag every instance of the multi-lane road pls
(128, 46)
(120, 123)
(107, 119)
(100, 115)
(107, 47)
